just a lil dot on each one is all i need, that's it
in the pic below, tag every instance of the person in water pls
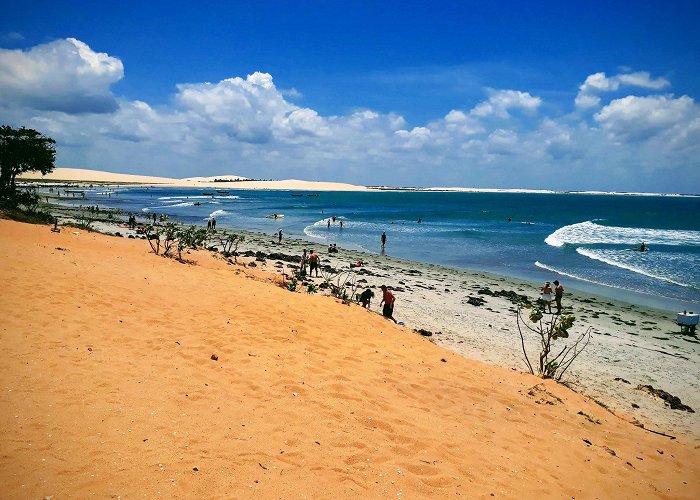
(642, 247)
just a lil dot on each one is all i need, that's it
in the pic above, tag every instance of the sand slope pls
(107, 388)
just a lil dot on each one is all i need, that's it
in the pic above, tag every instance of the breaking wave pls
(590, 233)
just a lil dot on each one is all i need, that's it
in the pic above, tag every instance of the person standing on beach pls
(383, 239)
(558, 294)
(388, 300)
(547, 296)
(213, 223)
(304, 260)
(280, 237)
(314, 260)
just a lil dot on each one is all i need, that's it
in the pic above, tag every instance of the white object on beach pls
(687, 319)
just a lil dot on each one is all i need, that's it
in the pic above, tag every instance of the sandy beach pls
(126, 374)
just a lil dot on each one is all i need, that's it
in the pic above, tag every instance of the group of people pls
(388, 300)
(313, 260)
(546, 297)
(211, 223)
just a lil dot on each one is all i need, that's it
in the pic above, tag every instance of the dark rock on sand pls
(673, 401)
(476, 301)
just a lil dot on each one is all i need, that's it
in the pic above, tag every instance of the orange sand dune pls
(107, 388)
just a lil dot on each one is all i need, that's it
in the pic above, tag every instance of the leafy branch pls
(550, 364)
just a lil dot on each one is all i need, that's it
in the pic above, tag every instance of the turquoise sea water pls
(584, 240)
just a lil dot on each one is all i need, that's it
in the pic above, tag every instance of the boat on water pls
(208, 194)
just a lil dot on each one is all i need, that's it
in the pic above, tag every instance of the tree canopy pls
(23, 150)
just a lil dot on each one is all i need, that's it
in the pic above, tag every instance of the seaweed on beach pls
(674, 402)
(512, 296)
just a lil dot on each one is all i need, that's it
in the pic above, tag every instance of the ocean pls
(587, 241)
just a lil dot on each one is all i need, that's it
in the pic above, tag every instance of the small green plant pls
(292, 285)
(311, 288)
(190, 237)
(227, 241)
(165, 238)
(549, 365)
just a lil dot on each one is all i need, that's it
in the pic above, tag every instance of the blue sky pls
(561, 95)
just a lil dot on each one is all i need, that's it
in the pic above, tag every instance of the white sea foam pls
(590, 233)
(574, 276)
(638, 262)
(183, 204)
(218, 213)
(189, 197)
(227, 197)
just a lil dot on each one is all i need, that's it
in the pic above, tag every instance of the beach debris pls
(674, 402)
(543, 394)
(589, 418)
(195, 469)
(214, 357)
(424, 332)
(476, 301)
(620, 379)
(588, 442)
(443, 360)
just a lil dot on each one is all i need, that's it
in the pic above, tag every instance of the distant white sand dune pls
(225, 181)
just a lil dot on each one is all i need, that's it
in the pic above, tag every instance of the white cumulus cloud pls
(598, 83)
(63, 75)
(500, 101)
(635, 118)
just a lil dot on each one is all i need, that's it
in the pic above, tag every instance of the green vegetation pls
(170, 239)
(23, 150)
(550, 365)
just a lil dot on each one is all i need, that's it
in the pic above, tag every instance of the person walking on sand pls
(383, 239)
(314, 260)
(366, 298)
(558, 294)
(547, 296)
(304, 260)
(388, 300)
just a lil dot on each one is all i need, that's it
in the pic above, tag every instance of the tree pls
(23, 150)
(551, 365)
